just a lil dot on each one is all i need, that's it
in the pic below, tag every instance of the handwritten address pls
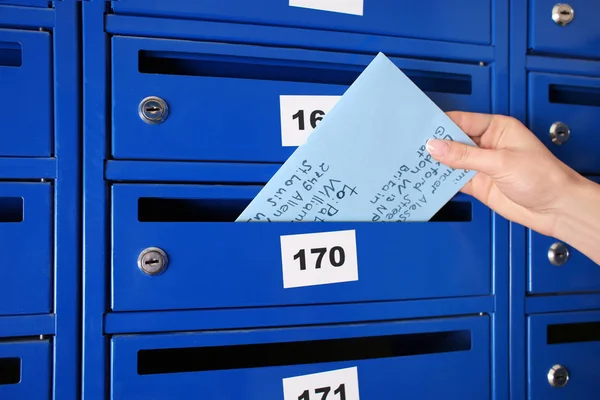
(409, 187)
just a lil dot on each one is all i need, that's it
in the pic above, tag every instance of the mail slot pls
(176, 247)
(569, 28)
(26, 243)
(564, 355)
(25, 79)
(183, 100)
(377, 17)
(387, 360)
(25, 369)
(557, 267)
(564, 112)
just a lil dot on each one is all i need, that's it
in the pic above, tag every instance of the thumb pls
(461, 156)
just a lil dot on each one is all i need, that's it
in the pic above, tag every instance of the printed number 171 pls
(324, 392)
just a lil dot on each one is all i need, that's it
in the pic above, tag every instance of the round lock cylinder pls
(562, 14)
(559, 133)
(558, 254)
(558, 376)
(152, 261)
(153, 110)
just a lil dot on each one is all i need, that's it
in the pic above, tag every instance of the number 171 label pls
(340, 384)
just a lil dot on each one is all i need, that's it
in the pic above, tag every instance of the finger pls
(468, 188)
(473, 124)
(461, 156)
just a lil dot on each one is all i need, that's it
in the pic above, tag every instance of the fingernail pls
(437, 147)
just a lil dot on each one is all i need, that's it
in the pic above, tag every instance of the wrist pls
(578, 217)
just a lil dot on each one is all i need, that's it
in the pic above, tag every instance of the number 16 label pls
(341, 384)
(319, 258)
(300, 115)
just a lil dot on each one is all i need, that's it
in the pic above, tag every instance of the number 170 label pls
(341, 384)
(319, 258)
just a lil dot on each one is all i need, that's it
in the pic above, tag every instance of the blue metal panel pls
(67, 205)
(563, 302)
(95, 216)
(27, 325)
(223, 264)
(384, 377)
(26, 17)
(380, 17)
(25, 79)
(301, 38)
(26, 234)
(27, 168)
(33, 359)
(235, 318)
(572, 100)
(580, 38)
(558, 339)
(27, 3)
(578, 274)
(224, 99)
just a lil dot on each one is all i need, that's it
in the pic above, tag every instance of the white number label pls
(319, 258)
(341, 384)
(300, 115)
(341, 6)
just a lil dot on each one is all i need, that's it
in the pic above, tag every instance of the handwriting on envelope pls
(366, 160)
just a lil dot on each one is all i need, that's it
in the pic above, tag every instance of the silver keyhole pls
(152, 261)
(559, 133)
(562, 14)
(558, 376)
(558, 254)
(153, 110)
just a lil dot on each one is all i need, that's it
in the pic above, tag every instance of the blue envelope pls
(366, 160)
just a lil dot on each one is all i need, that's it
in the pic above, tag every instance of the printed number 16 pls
(315, 117)
(324, 391)
(337, 257)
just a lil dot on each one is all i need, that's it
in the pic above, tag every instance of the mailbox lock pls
(562, 14)
(558, 254)
(559, 133)
(152, 261)
(558, 376)
(153, 110)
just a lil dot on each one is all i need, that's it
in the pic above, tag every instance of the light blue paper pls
(366, 160)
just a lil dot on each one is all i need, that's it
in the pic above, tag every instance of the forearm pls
(578, 222)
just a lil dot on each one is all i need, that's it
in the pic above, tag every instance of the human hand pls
(518, 177)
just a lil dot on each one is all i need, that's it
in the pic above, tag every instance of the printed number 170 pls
(324, 392)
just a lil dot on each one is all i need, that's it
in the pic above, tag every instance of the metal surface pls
(153, 110)
(558, 376)
(580, 357)
(380, 17)
(559, 133)
(487, 92)
(222, 277)
(26, 82)
(574, 101)
(35, 376)
(562, 14)
(558, 254)
(557, 31)
(580, 275)
(246, 84)
(378, 377)
(153, 261)
(26, 235)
